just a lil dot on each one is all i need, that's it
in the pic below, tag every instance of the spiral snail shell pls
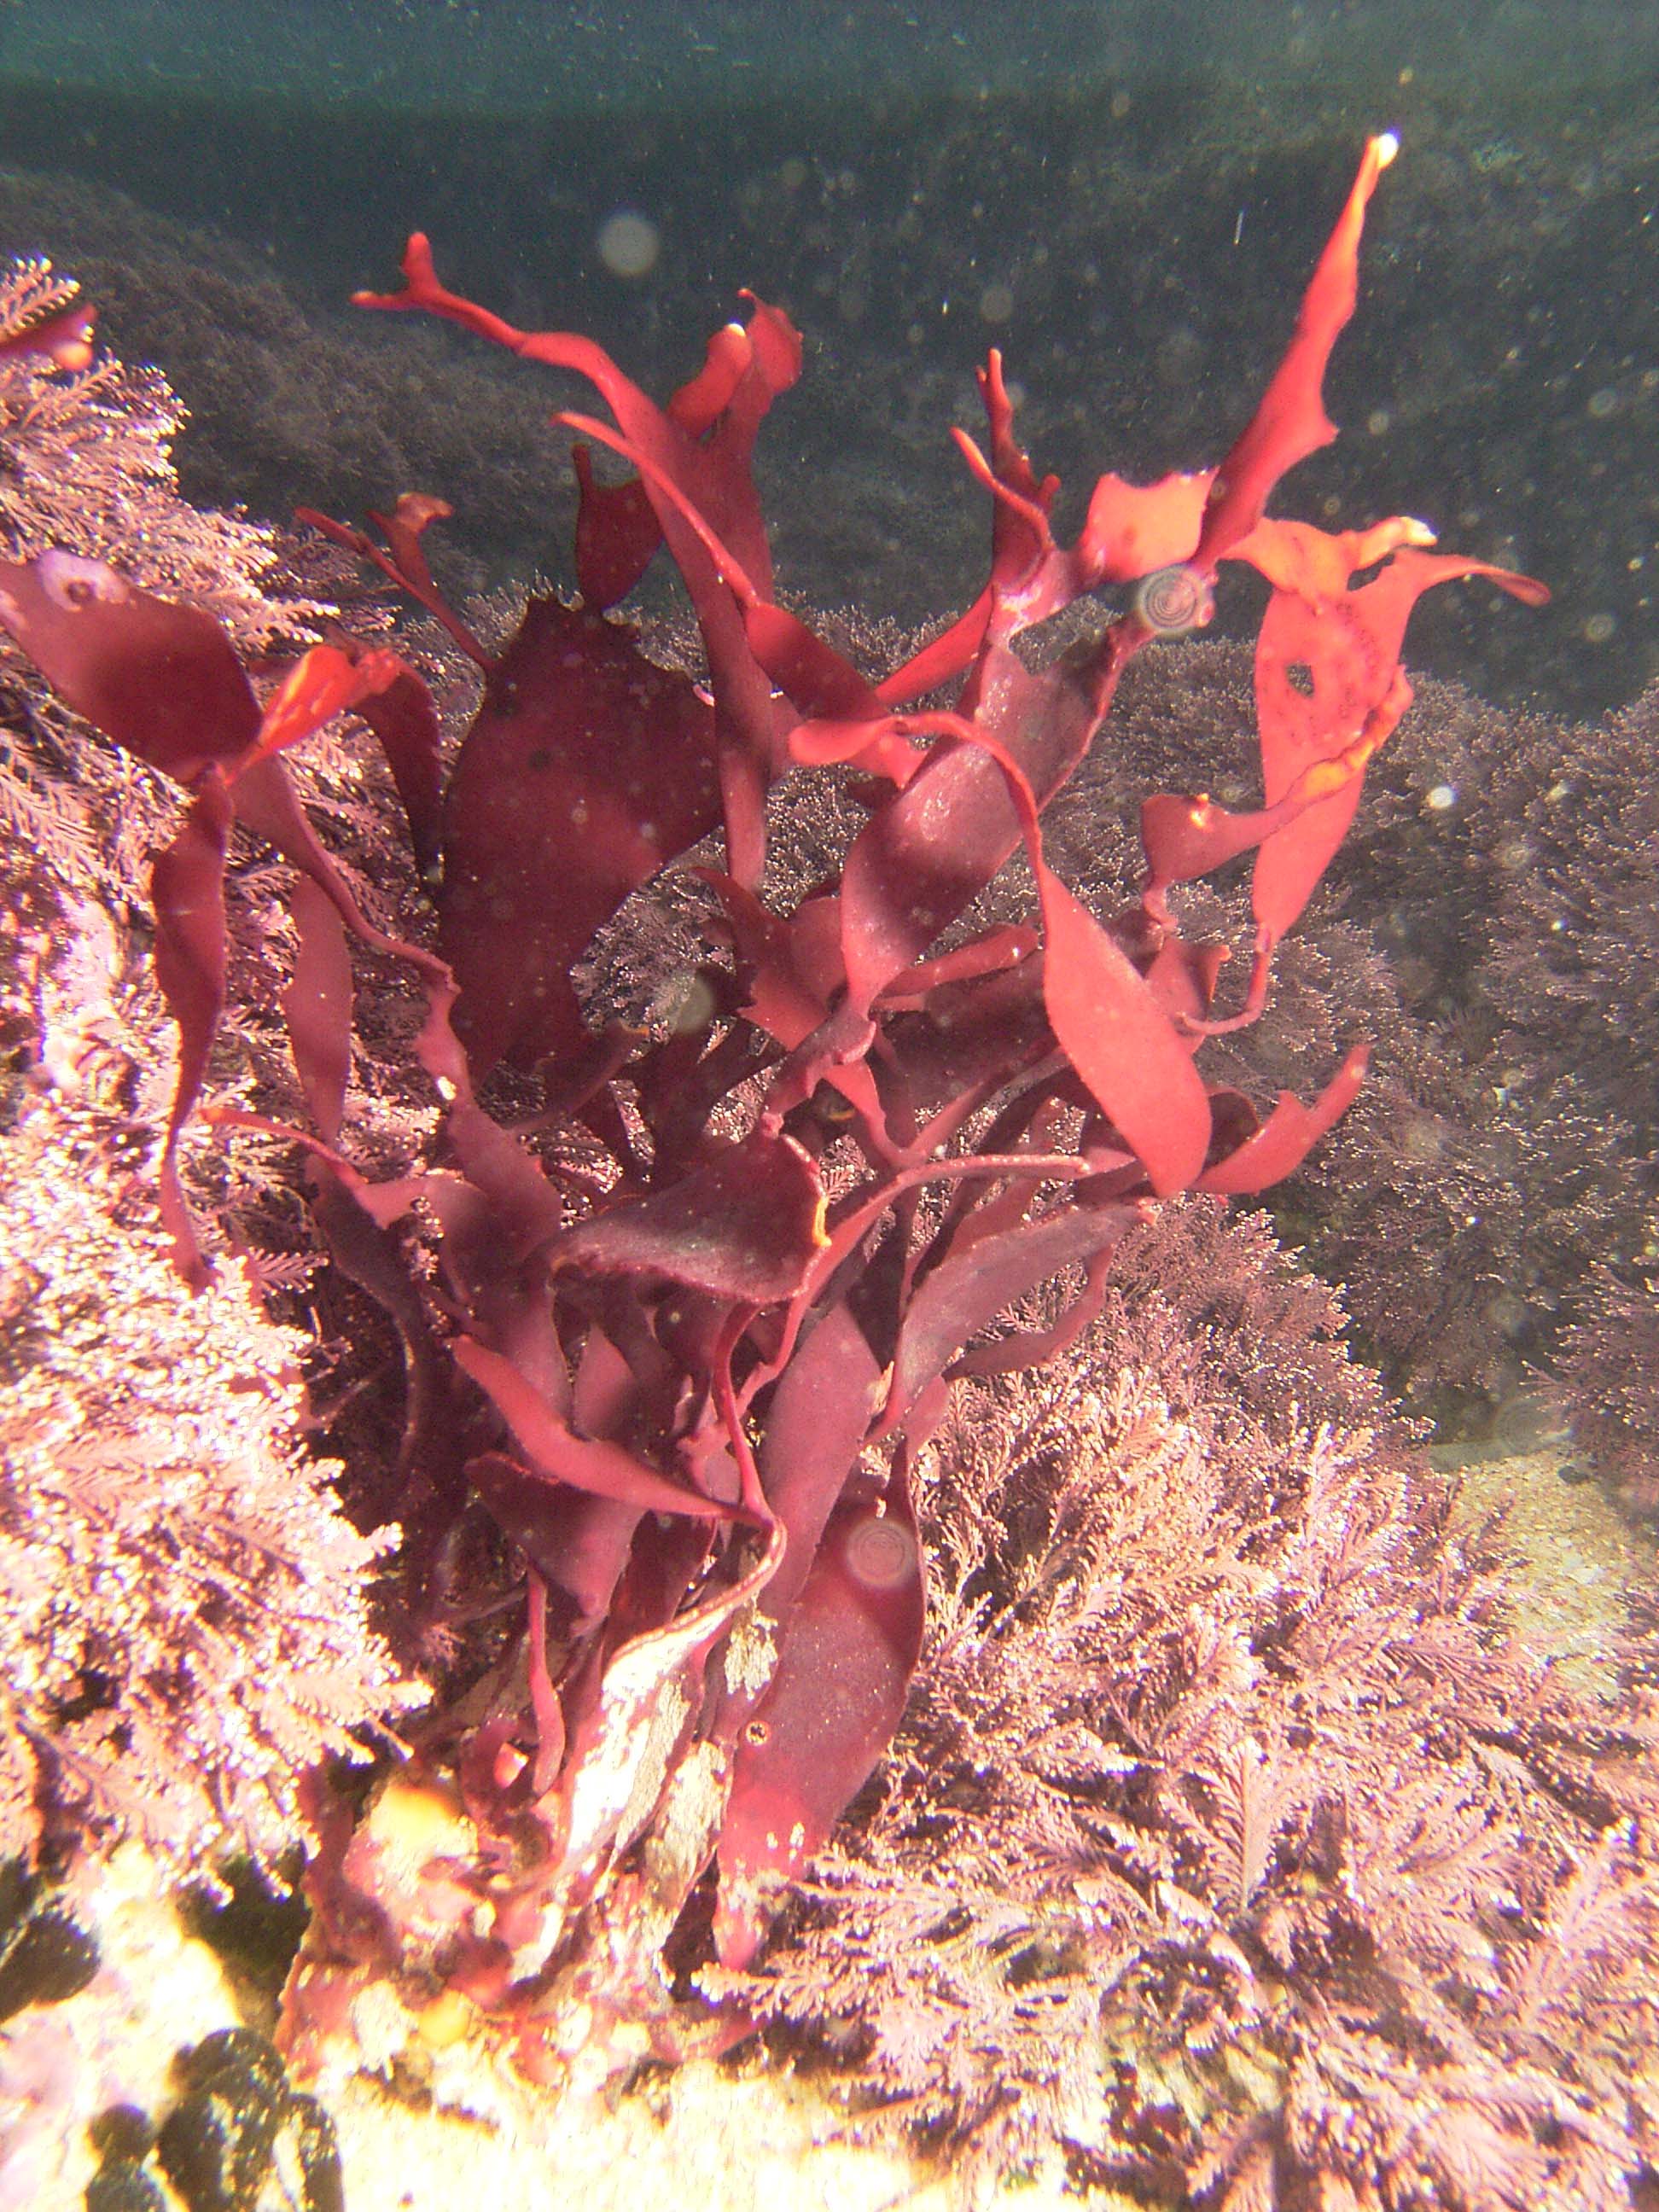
(880, 1553)
(1171, 601)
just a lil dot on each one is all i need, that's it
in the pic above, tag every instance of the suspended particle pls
(628, 243)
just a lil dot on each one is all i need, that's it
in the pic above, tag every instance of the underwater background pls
(1260, 1805)
(1119, 194)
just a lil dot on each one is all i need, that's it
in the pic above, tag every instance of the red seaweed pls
(701, 1314)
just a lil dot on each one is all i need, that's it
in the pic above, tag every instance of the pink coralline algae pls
(682, 1335)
